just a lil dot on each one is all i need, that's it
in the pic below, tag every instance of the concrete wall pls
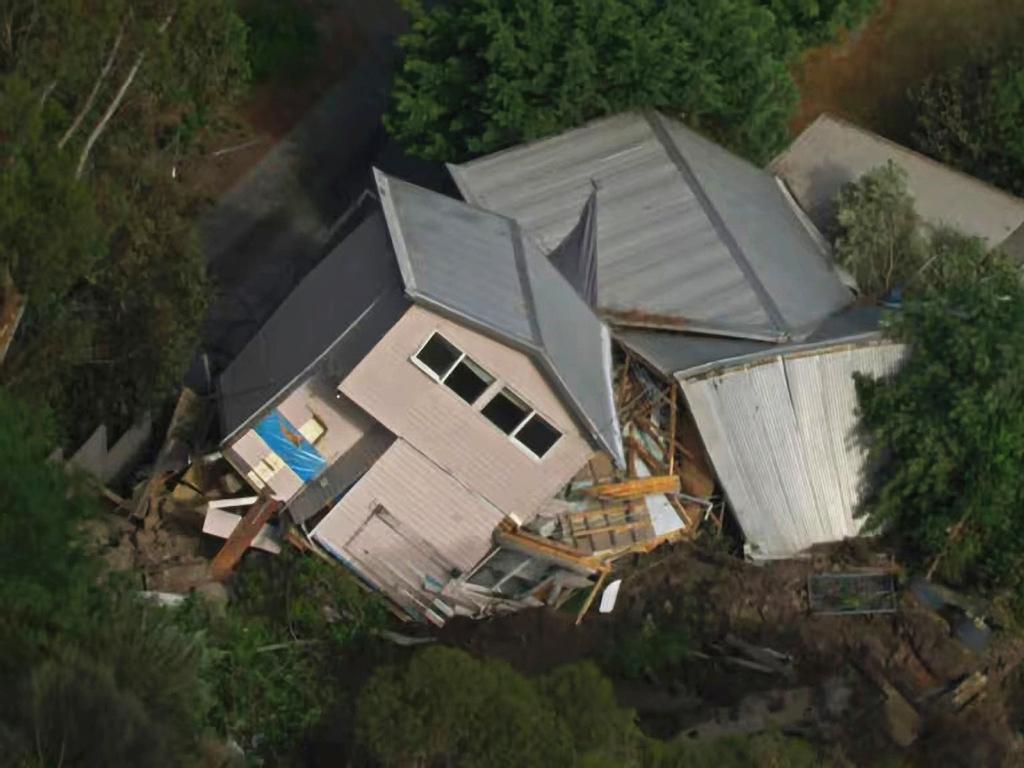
(440, 425)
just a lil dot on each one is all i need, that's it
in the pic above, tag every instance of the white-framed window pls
(527, 428)
(450, 366)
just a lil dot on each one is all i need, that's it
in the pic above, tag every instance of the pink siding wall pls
(436, 508)
(447, 430)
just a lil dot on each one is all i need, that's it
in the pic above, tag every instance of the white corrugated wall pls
(782, 435)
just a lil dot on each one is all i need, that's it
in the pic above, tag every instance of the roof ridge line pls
(524, 280)
(654, 119)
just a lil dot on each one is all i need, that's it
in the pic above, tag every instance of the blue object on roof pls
(287, 442)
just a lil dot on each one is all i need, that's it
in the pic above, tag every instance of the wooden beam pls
(615, 528)
(645, 456)
(549, 550)
(590, 597)
(681, 511)
(636, 488)
(586, 514)
(672, 432)
(238, 542)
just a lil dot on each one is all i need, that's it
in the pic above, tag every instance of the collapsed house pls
(438, 407)
(422, 397)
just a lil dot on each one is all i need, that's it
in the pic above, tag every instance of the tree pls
(947, 433)
(886, 246)
(879, 233)
(42, 566)
(281, 658)
(484, 74)
(954, 258)
(817, 21)
(93, 677)
(447, 706)
(972, 117)
(604, 733)
(282, 37)
(98, 103)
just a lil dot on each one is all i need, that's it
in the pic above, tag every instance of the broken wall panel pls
(782, 434)
(423, 498)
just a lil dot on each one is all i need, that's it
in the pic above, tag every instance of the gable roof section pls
(476, 267)
(689, 237)
(832, 152)
(339, 311)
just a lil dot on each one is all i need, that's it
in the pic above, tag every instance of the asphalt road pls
(267, 232)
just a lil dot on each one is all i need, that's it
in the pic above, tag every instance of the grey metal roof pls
(339, 311)
(783, 436)
(688, 237)
(477, 267)
(687, 353)
(576, 256)
(832, 152)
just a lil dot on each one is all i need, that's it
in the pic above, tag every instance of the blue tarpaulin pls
(288, 443)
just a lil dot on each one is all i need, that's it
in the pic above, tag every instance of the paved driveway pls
(268, 231)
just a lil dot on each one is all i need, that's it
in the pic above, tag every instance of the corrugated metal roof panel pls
(666, 255)
(684, 353)
(832, 152)
(477, 267)
(797, 277)
(782, 436)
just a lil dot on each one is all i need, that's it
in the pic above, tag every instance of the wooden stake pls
(590, 598)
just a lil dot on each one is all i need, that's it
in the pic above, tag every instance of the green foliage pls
(766, 750)
(585, 699)
(817, 21)
(42, 568)
(955, 258)
(275, 655)
(283, 38)
(447, 705)
(116, 286)
(50, 234)
(948, 433)
(653, 649)
(89, 673)
(879, 239)
(484, 74)
(883, 242)
(972, 117)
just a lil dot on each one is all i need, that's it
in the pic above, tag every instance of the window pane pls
(505, 411)
(468, 380)
(538, 435)
(438, 354)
